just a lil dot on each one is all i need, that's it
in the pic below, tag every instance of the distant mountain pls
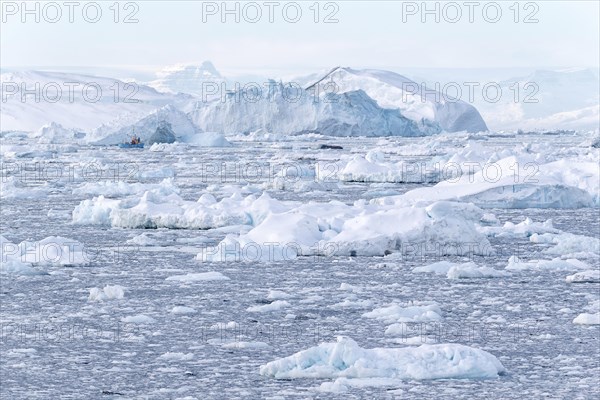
(75, 101)
(566, 99)
(187, 78)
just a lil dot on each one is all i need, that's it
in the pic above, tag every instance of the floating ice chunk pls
(587, 319)
(138, 319)
(471, 270)
(174, 356)
(182, 310)
(200, 276)
(274, 306)
(144, 239)
(438, 268)
(56, 133)
(122, 188)
(556, 264)
(278, 295)
(108, 293)
(591, 275)
(51, 251)
(337, 229)
(245, 345)
(154, 210)
(156, 173)
(349, 287)
(11, 262)
(353, 304)
(567, 243)
(526, 228)
(241, 249)
(591, 318)
(346, 359)
(568, 183)
(13, 187)
(411, 313)
(16, 267)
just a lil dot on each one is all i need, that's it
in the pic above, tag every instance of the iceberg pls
(345, 358)
(393, 91)
(559, 184)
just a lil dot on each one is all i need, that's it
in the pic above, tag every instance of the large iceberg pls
(328, 229)
(416, 102)
(514, 183)
(345, 358)
(274, 109)
(146, 127)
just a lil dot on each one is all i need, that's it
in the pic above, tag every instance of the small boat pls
(136, 143)
(131, 146)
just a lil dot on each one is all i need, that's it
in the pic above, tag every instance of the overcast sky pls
(378, 34)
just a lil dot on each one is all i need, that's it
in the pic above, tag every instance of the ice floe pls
(346, 359)
(107, 293)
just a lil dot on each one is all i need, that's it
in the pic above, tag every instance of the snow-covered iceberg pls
(414, 101)
(156, 210)
(558, 184)
(345, 358)
(28, 258)
(336, 229)
(587, 276)
(352, 113)
(146, 127)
